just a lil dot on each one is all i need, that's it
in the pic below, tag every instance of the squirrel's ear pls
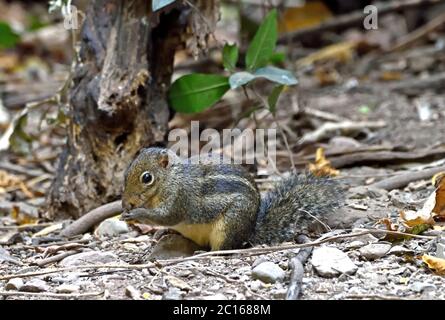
(163, 160)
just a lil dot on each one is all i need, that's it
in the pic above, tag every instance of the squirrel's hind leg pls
(234, 228)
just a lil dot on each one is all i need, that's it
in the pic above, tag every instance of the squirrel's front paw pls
(138, 214)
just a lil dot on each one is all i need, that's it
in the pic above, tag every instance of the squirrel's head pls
(145, 177)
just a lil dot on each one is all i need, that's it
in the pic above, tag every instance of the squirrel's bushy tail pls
(292, 205)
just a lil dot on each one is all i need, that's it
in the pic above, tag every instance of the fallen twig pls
(24, 227)
(377, 296)
(384, 157)
(330, 128)
(323, 115)
(296, 264)
(89, 266)
(56, 258)
(92, 218)
(419, 33)
(51, 295)
(404, 179)
(350, 19)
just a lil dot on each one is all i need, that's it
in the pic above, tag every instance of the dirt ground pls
(396, 276)
(409, 139)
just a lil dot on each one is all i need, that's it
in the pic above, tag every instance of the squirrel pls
(218, 205)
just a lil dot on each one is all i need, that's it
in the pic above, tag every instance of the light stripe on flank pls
(236, 178)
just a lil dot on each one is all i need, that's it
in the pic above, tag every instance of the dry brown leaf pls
(439, 183)
(388, 223)
(326, 76)
(21, 218)
(310, 14)
(8, 61)
(390, 75)
(340, 52)
(10, 182)
(322, 166)
(411, 218)
(437, 264)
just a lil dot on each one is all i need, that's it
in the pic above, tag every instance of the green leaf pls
(197, 92)
(273, 74)
(8, 38)
(239, 79)
(35, 23)
(277, 58)
(277, 75)
(274, 96)
(263, 44)
(230, 56)
(159, 4)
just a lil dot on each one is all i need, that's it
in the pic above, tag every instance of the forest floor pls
(385, 274)
(395, 128)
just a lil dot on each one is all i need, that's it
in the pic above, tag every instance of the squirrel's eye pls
(146, 178)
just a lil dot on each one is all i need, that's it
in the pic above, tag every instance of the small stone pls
(89, 257)
(400, 250)
(331, 262)
(422, 286)
(178, 283)
(14, 284)
(35, 285)
(279, 294)
(355, 245)
(173, 294)
(6, 257)
(375, 250)
(440, 250)
(132, 293)
(218, 296)
(256, 285)
(68, 288)
(362, 192)
(258, 261)
(10, 237)
(268, 272)
(130, 247)
(111, 228)
(381, 279)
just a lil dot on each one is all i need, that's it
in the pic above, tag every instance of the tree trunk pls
(117, 101)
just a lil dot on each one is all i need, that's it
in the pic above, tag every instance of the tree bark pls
(117, 101)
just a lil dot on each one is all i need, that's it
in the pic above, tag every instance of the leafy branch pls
(197, 92)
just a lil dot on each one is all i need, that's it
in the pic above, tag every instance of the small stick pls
(56, 258)
(296, 264)
(60, 243)
(24, 227)
(329, 128)
(376, 296)
(404, 179)
(92, 218)
(50, 294)
(89, 266)
(419, 33)
(323, 115)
